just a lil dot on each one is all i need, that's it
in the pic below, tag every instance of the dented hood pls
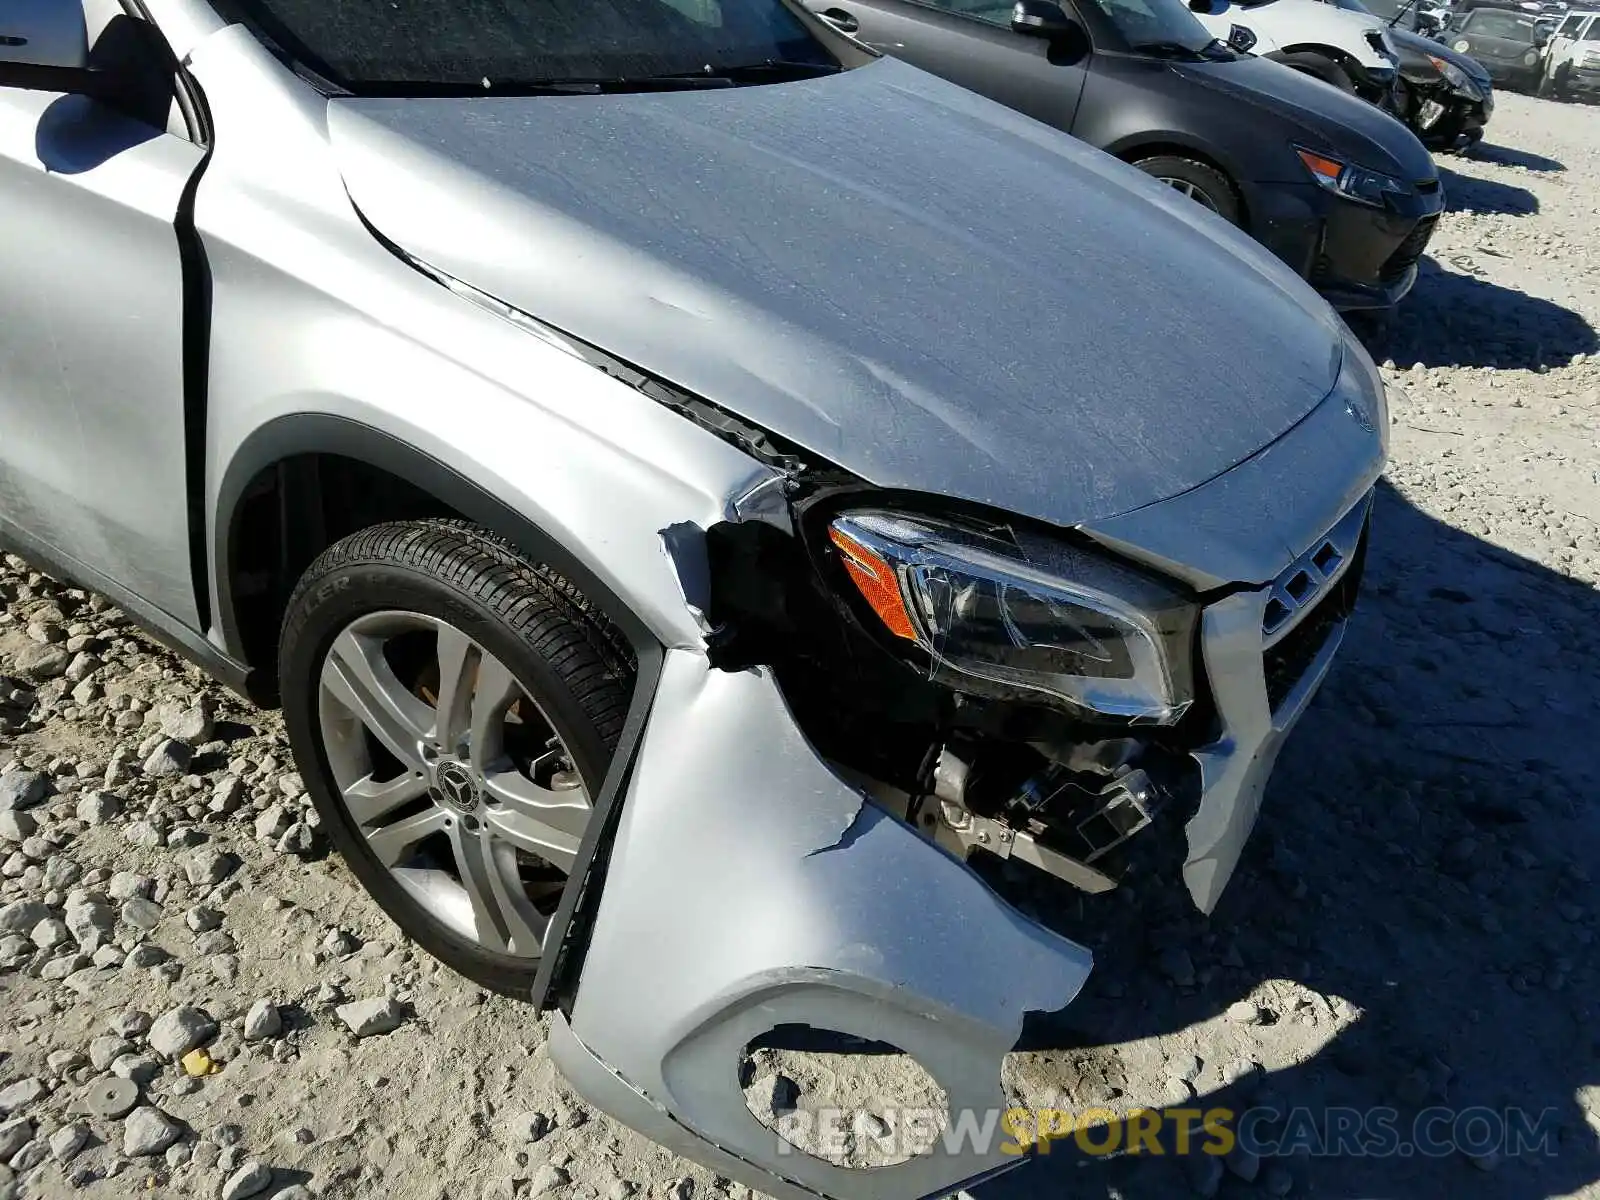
(918, 284)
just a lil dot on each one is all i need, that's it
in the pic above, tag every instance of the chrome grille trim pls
(1295, 593)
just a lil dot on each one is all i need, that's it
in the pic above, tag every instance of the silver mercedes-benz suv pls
(697, 490)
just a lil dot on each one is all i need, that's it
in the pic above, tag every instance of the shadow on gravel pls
(1463, 193)
(1508, 157)
(1452, 318)
(1423, 855)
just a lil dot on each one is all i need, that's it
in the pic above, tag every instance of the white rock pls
(148, 1131)
(365, 1018)
(14, 1135)
(262, 1021)
(50, 933)
(272, 823)
(168, 759)
(89, 921)
(21, 916)
(68, 1140)
(16, 826)
(191, 724)
(249, 1180)
(22, 789)
(142, 913)
(17, 1096)
(228, 795)
(207, 866)
(180, 1030)
(547, 1179)
(96, 808)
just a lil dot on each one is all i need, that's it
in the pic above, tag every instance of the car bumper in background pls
(1584, 79)
(1356, 256)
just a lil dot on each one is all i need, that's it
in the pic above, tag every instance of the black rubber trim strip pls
(321, 433)
(572, 926)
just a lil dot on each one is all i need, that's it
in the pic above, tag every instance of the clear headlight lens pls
(1455, 76)
(1024, 617)
(1531, 57)
(1350, 181)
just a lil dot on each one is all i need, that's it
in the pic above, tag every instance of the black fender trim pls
(321, 433)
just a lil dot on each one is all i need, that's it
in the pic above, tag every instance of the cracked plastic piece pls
(750, 888)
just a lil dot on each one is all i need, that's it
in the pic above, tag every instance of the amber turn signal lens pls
(875, 578)
(1325, 167)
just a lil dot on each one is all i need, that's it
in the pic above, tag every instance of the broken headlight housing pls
(1017, 616)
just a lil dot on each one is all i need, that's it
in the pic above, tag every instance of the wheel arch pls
(281, 485)
(1341, 57)
(1132, 149)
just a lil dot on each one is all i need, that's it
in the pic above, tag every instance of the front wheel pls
(453, 709)
(1321, 67)
(1199, 181)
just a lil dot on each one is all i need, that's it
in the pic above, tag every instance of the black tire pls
(1320, 66)
(576, 667)
(1216, 189)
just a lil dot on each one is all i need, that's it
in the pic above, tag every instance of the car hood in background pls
(1342, 123)
(931, 291)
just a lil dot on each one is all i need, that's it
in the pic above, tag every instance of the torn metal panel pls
(748, 888)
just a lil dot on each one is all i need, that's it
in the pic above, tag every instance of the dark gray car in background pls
(1335, 187)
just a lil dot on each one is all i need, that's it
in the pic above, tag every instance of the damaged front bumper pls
(739, 879)
(750, 889)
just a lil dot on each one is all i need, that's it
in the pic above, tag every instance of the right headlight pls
(1456, 77)
(1350, 181)
(1011, 615)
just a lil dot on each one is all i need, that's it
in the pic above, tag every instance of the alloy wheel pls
(453, 775)
(1196, 193)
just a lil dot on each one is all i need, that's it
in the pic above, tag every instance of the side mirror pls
(44, 47)
(1041, 19)
(1240, 39)
(44, 33)
(1208, 8)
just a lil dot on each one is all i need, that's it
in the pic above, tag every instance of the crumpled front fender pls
(748, 888)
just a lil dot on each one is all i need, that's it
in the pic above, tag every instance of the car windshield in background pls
(1156, 25)
(1485, 23)
(398, 47)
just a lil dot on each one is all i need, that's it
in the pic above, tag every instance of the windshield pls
(1154, 24)
(393, 47)
(1486, 23)
(1385, 9)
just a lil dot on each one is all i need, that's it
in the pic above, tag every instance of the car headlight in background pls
(1456, 77)
(1350, 181)
(1019, 616)
(1531, 57)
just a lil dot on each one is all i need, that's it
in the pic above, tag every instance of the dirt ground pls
(1413, 928)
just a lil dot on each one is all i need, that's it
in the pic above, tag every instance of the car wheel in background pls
(1320, 67)
(453, 709)
(1200, 181)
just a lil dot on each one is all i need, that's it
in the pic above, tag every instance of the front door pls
(92, 436)
(970, 42)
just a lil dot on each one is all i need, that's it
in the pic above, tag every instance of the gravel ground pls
(1414, 924)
